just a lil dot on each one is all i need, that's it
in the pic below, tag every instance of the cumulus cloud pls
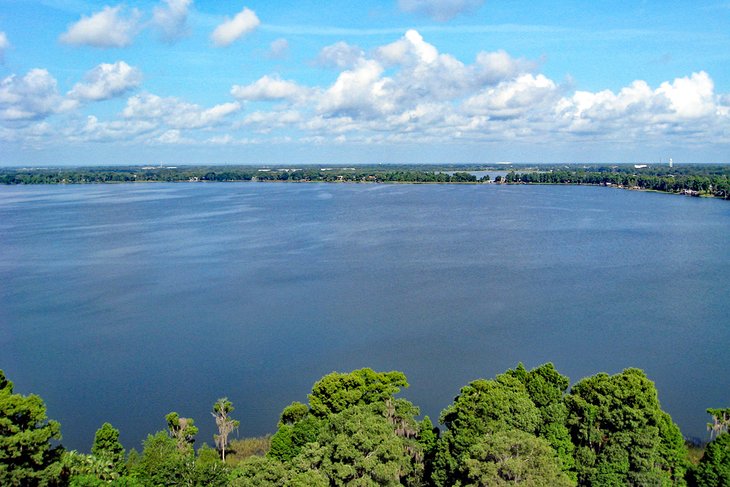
(269, 88)
(405, 91)
(440, 10)
(513, 98)
(243, 23)
(359, 92)
(107, 81)
(170, 17)
(339, 55)
(639, 108)
(30, 98)
(94, 130)
(279, 49)
(4, 45)
(104, 29)
(175, 113)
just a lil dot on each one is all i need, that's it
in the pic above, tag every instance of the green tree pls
(221, 411)
(182, 429)
(482, 407)
(512, 458)
(622, 436)
(714, 467)
(336, 392)
(163, 463)
(27, 456)
(359, 446)
(720, 421)
(546, 388)
(107, 447)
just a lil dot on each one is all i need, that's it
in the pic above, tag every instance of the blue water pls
(122, 303)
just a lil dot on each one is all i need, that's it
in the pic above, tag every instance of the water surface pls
(122, 303)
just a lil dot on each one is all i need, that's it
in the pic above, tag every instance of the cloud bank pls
(402, 92)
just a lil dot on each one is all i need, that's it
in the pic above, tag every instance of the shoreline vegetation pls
(526, 427)
(703, 180)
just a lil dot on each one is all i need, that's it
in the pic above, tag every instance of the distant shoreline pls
(701, 180)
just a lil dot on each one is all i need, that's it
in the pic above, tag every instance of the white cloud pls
(4, 45)
(33, 97)
(105, 29)
(107, 81)
(269, 88)
(279, 49)
(639, 109)
(94, 130)
(339, 55)
(691, 97)
(495, 67)
(359, 92)
(243, 23)
(171, 18)
(175, 113)
(171, 136)
(440, 10)
(514, 98)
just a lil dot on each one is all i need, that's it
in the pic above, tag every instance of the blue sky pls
(433, 81)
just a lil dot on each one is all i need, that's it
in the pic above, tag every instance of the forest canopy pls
(522, 427)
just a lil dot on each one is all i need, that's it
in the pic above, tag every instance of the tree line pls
(523, 427)
(694, 179)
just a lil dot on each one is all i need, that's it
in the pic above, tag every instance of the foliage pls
(714, 467)
(182, 429)
(294, 412)
(360, 447)
(221, 410)
(483, 407)
(512, 458)
(288, 441)
(546, 388)
(621, 435)
(720, 421)
(336, 392)
(162, 462)
(107, 447)
(26, 454)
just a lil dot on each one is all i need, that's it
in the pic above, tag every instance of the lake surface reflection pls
(122, 303)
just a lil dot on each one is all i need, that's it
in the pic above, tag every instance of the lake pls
(122, 303)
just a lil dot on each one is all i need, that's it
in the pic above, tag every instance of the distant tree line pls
(690, 179)
(699, 182)
(523, 427)
(228, 174)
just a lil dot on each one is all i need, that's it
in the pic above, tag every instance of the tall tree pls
(622, 436)
(221, 411)
(183, 430)
(720, 421)
(26, 455)
(482, 407)
(107, 447)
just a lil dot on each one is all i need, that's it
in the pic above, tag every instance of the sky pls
(392, 81)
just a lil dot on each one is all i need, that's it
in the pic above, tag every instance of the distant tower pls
(671, 163)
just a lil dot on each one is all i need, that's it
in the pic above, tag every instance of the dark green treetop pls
(621, 435)
(107, 447)
(27, 456)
